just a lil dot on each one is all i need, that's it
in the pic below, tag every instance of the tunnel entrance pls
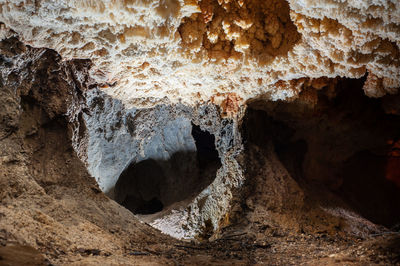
(346, 143)
(152, 186)
(205, 144)
(138, 188)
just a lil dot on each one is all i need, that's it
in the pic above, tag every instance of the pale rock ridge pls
(146, 52)
(356, 34)
(115, 138)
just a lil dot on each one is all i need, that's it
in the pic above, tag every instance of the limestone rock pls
(190, 51)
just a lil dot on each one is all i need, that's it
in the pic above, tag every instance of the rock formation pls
(190, 51)
(199, 132)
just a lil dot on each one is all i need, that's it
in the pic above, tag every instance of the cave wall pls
(341, 142)
(51, 209)
(118, 136)
(95, 135)
(115, 137)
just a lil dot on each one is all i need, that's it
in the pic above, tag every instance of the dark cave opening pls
(138, 187)
(151, 186)
(205, 144)
(141, 206)
(348, 144)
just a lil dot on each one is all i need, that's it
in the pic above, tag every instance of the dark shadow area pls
(205, 145)
(141, 206)
(149, 186)
(345, 143)
(367, 189)
(260, 129)
(138, 188)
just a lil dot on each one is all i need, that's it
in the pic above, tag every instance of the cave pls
(149, 186)
(138, 187)
(346, 145)
(205, 144)
(235, 132)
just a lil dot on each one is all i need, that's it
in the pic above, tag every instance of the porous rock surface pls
(195, 51)
(125, 81)
(116, 137)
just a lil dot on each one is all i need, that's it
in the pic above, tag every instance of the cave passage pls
(150, 186)
(140, 186)
(348, 144)
(205, 145)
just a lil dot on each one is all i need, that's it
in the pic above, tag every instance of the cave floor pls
(233, 248)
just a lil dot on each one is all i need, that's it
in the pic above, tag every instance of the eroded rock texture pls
(52, 211)
(195, 51)
(342, 141)
(224, 122)
(191, 150)
(49, 204)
